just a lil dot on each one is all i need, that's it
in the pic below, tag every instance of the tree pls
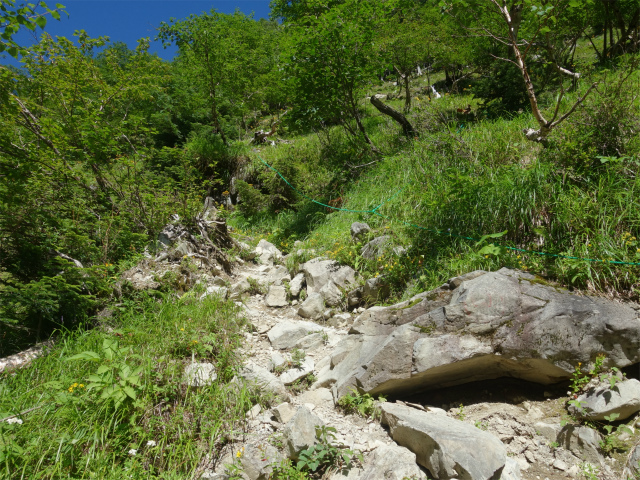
(224, 54)
(520, 25)
(331, 59)
(13, 17)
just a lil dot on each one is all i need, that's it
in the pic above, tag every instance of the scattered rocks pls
(265, 381)
(392, 462)
(220, 292)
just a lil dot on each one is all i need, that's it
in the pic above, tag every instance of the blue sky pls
(129, 20)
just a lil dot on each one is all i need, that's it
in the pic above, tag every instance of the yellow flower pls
(182, 329)
(81, 385)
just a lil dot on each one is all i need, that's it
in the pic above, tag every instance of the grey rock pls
(278, 274)
(296, 373)
(359, 229)
(300, 432)
(312, 307)
(497, 324)
(248, 252)
(376, 247)
(199, 374)
(265, 381)
(284, 412)
(267, 252)
(257, 461)
(623, 399)
(296, 285)
(317, 274)
(550, 431)
(276, 296)
(276, 361)
(220, 292)
(310, 342)
(354, 297)
(582, 441)
(632, 466)
(287, 333)
(511, 470)
(238, 288)
(321, 397)
(392, 462)
(375, 290)
(331, 294)
(448, 448)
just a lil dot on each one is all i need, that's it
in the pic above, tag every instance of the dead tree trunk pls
(407, 128)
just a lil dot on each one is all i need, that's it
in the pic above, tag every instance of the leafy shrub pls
(362, 404)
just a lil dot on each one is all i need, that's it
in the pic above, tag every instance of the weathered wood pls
(407, 128)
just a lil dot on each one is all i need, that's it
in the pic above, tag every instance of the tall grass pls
(165, 429)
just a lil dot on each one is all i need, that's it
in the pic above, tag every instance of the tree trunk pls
(407, 128)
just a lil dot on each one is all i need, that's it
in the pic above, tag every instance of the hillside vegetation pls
(525, 119)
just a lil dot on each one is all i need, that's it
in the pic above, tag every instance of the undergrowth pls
(112, 403)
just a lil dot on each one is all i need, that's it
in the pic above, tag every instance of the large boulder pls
(376, 247)
(482, 326)
(582, 441)
(623, 398)
(359, 230)
(448, 448)
(318, 273)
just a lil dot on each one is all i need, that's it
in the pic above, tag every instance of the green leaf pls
(491, 235)
(91, 356)
(41, 21)
(130, 392)
(55, 15)
(492, 249)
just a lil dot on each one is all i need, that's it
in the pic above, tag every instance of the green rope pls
(440, 232)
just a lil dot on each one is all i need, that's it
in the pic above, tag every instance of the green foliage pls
(13, 17)
(70, 424)
(361, 403)
(325, 454)
(114, 380)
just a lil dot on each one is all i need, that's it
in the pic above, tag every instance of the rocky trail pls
(475, 373)
(459, 406)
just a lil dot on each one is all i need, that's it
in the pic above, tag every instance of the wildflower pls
(14, 420)
(151, 443)
(133, 452)
(182, 329)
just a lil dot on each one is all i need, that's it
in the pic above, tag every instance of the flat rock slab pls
(623, 398)
(286, 334)
(448, 448)
(481, 326)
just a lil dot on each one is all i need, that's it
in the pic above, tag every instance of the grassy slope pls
(472, 177)
(75, 430)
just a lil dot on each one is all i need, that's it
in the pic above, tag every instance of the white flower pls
(133, 452)
(15, 420)
(151, 443)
